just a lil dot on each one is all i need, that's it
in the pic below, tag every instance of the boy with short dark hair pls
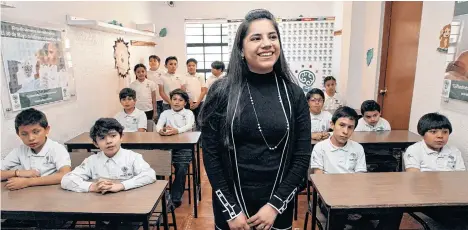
(39, 160)
(131, 118)
(196, 88)
(113, 169)
(320, 119)
(171, 81)
(174, 121)
(432, 154)
(154, 74)
(217, 69)
(371, 118)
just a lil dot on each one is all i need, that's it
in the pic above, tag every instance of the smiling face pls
(261, 46)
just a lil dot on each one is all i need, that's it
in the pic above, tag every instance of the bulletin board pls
(37, 67)
(308, 47)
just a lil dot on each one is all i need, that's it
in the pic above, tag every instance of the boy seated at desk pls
(320, 119)
(378, 158)
(174, 121)
(39, 160)
(339, 154)
(131, 118)
(432, 154)
(113, 169)
(371, 118)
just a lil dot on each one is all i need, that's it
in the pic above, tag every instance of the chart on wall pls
(308, 47)
(34, 65)
(456, 75)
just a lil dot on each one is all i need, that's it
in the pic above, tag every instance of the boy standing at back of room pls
(371, 118)
(131, 118)
(174, 121)
(154, 74)
(432, 154)
(217, 69)
(39, 160)
(196, 88)
(113, 169)
(170, 81)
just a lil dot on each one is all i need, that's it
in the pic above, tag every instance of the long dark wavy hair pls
(221, 103)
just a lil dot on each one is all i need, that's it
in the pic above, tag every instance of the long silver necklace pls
(259, 127)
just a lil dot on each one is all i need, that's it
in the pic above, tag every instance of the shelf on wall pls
(6, 4)
(103, 26)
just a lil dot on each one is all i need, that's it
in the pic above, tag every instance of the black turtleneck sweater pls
(258, 165)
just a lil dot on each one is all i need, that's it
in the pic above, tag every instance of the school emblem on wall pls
(122, 57)
(307, 79)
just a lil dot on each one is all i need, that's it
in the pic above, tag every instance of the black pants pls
(195, 113)
(166, 107)
(159, 109)
(282, 221)
(180, 160)
(149, 114)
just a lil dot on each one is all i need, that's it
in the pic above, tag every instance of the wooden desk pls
(375, 192)
(52, 202)
(152, 140)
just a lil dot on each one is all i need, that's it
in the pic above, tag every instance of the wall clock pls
(122, 57)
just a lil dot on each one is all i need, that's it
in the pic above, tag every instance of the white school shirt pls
(332, 103)
(212, 79)
(132, 122)
(125, 165)
(194, 85)
(48, 161)
(144, 91)
(183, 120)
(382, 125)
(425, 159)
(320, 122)
(331, 159)
(171, 82)
(155, 76)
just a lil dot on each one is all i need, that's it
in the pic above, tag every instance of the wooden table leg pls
(195, 185)
(314, 209)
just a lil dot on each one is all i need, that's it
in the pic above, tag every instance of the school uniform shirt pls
(182, 120)
(144, 92)
(320, 122)
(125, 165)
(132, 122)
(382, 125)
(155, 76)
(212, 79)
(425, 159)
(194, 85)
(333, 103)
(171, 82)
(48, 161)
(331, 159)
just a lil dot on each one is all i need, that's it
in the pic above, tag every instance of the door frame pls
(384, 52)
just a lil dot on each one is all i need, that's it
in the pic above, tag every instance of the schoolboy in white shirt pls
(320, 120)
(131, 118)
(432, 154)
(113, 169)
(174, 121)
(196, 88)
(154, 74)
(171, 81)
(371, 118)
(39, 160)
(217, 69)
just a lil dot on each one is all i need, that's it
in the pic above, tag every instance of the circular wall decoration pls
(122, 57)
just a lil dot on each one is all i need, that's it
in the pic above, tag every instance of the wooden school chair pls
(78, 157)
(150, 126)
(161, 162)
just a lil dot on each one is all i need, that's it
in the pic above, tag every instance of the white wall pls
(174, 18)
(96, 80)
(430, 70)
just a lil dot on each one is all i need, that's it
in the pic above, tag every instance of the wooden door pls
(400, 40)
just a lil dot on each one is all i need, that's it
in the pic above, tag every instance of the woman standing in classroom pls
(256, 132)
